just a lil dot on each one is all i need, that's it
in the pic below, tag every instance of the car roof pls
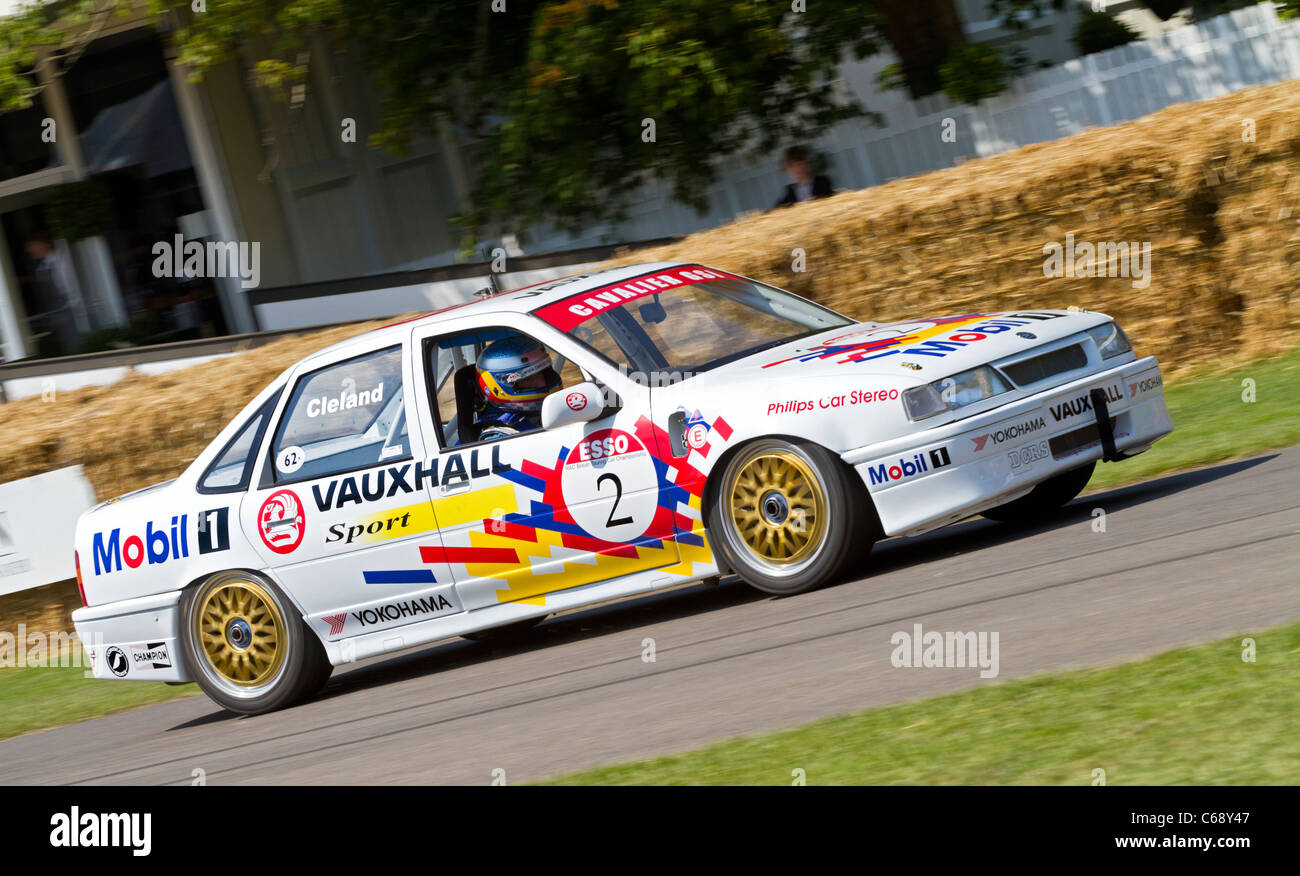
(540, 295)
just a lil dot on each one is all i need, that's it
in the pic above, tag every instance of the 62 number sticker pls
(290, 459)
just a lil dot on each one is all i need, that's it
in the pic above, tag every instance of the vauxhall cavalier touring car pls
(683, 422)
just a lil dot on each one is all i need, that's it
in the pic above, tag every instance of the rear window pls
(232, 468)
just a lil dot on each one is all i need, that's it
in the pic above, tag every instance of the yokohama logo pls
(395, 611)
(336, 622)
(1010, 432)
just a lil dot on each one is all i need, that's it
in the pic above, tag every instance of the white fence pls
(1246, 47)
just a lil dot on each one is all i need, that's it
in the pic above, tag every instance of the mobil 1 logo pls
(919, 463)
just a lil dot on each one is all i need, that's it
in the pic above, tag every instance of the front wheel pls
(247, 647)
(1046, 497)
(787, 517)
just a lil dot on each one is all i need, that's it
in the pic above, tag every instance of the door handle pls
(458, 487)
(677, 434)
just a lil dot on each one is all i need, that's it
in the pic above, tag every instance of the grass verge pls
(1198, 715)
(37, 698)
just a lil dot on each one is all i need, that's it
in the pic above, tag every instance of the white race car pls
(657, 424)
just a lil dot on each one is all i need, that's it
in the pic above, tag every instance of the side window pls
(343, 417)
(230, 471)
(465, 414)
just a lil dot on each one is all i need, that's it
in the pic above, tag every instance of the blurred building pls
(217, 161)
(225, 161)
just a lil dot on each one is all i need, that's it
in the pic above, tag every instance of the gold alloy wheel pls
(241, 632)
(778, 507)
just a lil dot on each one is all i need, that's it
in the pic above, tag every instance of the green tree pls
(567, 105)
(973, 72)
(1097, 32)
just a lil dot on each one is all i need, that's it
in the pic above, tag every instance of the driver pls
(515, 374)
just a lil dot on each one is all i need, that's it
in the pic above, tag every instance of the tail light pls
(81, 588)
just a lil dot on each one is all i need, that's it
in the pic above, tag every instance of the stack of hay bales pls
(144, 429)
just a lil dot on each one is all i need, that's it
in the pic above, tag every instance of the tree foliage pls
(1097, 32)
(973, 72)
(566, 106)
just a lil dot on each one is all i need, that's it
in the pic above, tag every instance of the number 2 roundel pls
(610, 486)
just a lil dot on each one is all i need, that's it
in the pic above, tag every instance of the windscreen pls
(686, 319)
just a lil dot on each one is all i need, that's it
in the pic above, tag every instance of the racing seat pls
(465, 383)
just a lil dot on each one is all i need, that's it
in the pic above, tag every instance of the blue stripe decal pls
(400, 576)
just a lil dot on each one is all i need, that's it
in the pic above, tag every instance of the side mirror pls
(577, 404)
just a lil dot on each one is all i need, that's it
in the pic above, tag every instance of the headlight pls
(1110, 340)
(951, 393)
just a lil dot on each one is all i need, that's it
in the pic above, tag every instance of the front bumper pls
(133, 639)
(936, 477)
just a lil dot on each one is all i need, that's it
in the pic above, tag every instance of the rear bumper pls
(933, 478)
(133, 639)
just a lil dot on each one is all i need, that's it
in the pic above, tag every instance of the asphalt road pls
(1186, 558)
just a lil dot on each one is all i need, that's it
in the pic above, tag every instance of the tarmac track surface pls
(1185, 558)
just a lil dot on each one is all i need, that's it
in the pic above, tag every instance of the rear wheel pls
(247, 647)
(787, 516)
(1047, 496)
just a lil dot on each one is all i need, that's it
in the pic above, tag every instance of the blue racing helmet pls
(508, 374)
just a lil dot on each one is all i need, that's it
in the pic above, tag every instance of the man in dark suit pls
(805, 186)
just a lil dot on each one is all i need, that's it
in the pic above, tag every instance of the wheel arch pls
(713, 480)
(294, 667)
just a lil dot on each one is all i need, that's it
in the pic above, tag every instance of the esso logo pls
(604, 445)
(697, 436)
(281, 522)
(576, 401)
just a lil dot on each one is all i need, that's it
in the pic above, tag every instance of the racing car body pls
(706, 422)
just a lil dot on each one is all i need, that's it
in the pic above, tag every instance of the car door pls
(546, 509)
(336, 510)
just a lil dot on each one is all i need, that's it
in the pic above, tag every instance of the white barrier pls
(1246, 47)
(38, 519)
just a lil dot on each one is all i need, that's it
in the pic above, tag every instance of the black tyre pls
(1047, 496)
(506, 633)
(788, 516)
(247, 647)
